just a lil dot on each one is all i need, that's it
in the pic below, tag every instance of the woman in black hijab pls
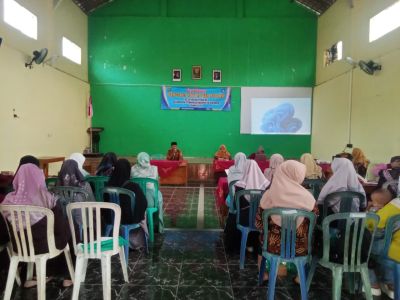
(107, 164)
(390, 176)
(120, 178)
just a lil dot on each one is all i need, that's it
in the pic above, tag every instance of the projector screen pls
(275, 111)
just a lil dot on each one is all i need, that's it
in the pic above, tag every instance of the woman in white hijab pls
(143, 169)
(274, 162)
(237, 170)
(80, 159)
(344, 178)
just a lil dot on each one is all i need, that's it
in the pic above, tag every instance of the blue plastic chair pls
(97, 183)
(354, 226)
(288, 226)
(143, 182)
(114, 194)
(391, 225)
(231, 195)
(254, 197)
(314, 185)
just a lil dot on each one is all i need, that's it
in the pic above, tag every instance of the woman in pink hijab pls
(286, 191)
(30, 189)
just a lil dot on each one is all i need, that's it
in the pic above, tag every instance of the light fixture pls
(368, 67)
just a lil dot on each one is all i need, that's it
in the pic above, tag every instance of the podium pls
(94, 133)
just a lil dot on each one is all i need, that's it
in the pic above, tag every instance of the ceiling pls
(317, 6)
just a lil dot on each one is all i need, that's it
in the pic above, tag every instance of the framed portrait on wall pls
(176, 75)
(196, 72)
(217, 76)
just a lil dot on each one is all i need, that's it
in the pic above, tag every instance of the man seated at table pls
(174, 153)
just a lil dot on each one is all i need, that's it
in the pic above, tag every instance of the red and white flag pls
(90, 108)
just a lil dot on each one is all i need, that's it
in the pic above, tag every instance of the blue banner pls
(185, 98)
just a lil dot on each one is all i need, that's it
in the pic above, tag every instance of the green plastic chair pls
(288, 226)
(391, 226)
(69, 194)
(143, 182)
(98, 183)
(315, 185)
(346, 200)
(355, 225)
(51, 181)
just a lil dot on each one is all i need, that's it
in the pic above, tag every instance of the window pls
(384, 22)
(20, 18)
(334, 53)
(71, 51)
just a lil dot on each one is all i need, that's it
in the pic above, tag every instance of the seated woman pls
(274, 162)
(237, 170)
(80, 159)
(313, 171)
(120, 178)
(360, 162)
(143, 169)
(70, 175)
(344, 178)
(252, 178)
(390, 176)
(385, 208)
(286, 191)
(222, 153)
(30, 189)
(259, 155)
(107, 164)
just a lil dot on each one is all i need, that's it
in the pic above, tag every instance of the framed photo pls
(176, 75)
(217, 76)
(196, 72)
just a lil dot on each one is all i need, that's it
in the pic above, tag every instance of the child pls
(379, 198)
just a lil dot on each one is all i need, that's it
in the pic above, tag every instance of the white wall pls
(50, 99)
(375, 99)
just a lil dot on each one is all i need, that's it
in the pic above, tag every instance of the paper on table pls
(227, 171)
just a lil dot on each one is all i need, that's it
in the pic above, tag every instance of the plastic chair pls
(144, 183)
(114, 194)
(98, 183)
(231, 189)
(391, 225)
(254, 197)
(346, 201)
(51, 181)
(96, 246)
(23, 250)
(68, 194)
(288, 226)
(315, 185)
(354, 228)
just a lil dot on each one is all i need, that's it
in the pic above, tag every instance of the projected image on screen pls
(280, 115)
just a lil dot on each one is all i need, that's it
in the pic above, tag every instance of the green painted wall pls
(134, 45)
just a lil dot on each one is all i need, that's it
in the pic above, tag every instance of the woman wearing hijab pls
(120, 178)
(107, 164)
(252, 178)
(222, 153)
(313, 171)
(259, 155)
(30, 189)
(80, 159)
(286, 191)
(237, 170)
(360, 162)
(70, 175)
(344, 178)
(274, 162)
(390, 176)
(143, 169)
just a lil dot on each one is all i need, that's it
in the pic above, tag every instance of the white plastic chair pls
(93, 242)
(24, 250)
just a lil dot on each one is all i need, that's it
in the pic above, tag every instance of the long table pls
(172, 172)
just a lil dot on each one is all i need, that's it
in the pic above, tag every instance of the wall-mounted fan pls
(369, 67)
(38, 57)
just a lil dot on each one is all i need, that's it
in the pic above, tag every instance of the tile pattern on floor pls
(186, 265)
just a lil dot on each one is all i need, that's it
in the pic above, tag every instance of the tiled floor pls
(185, 263)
